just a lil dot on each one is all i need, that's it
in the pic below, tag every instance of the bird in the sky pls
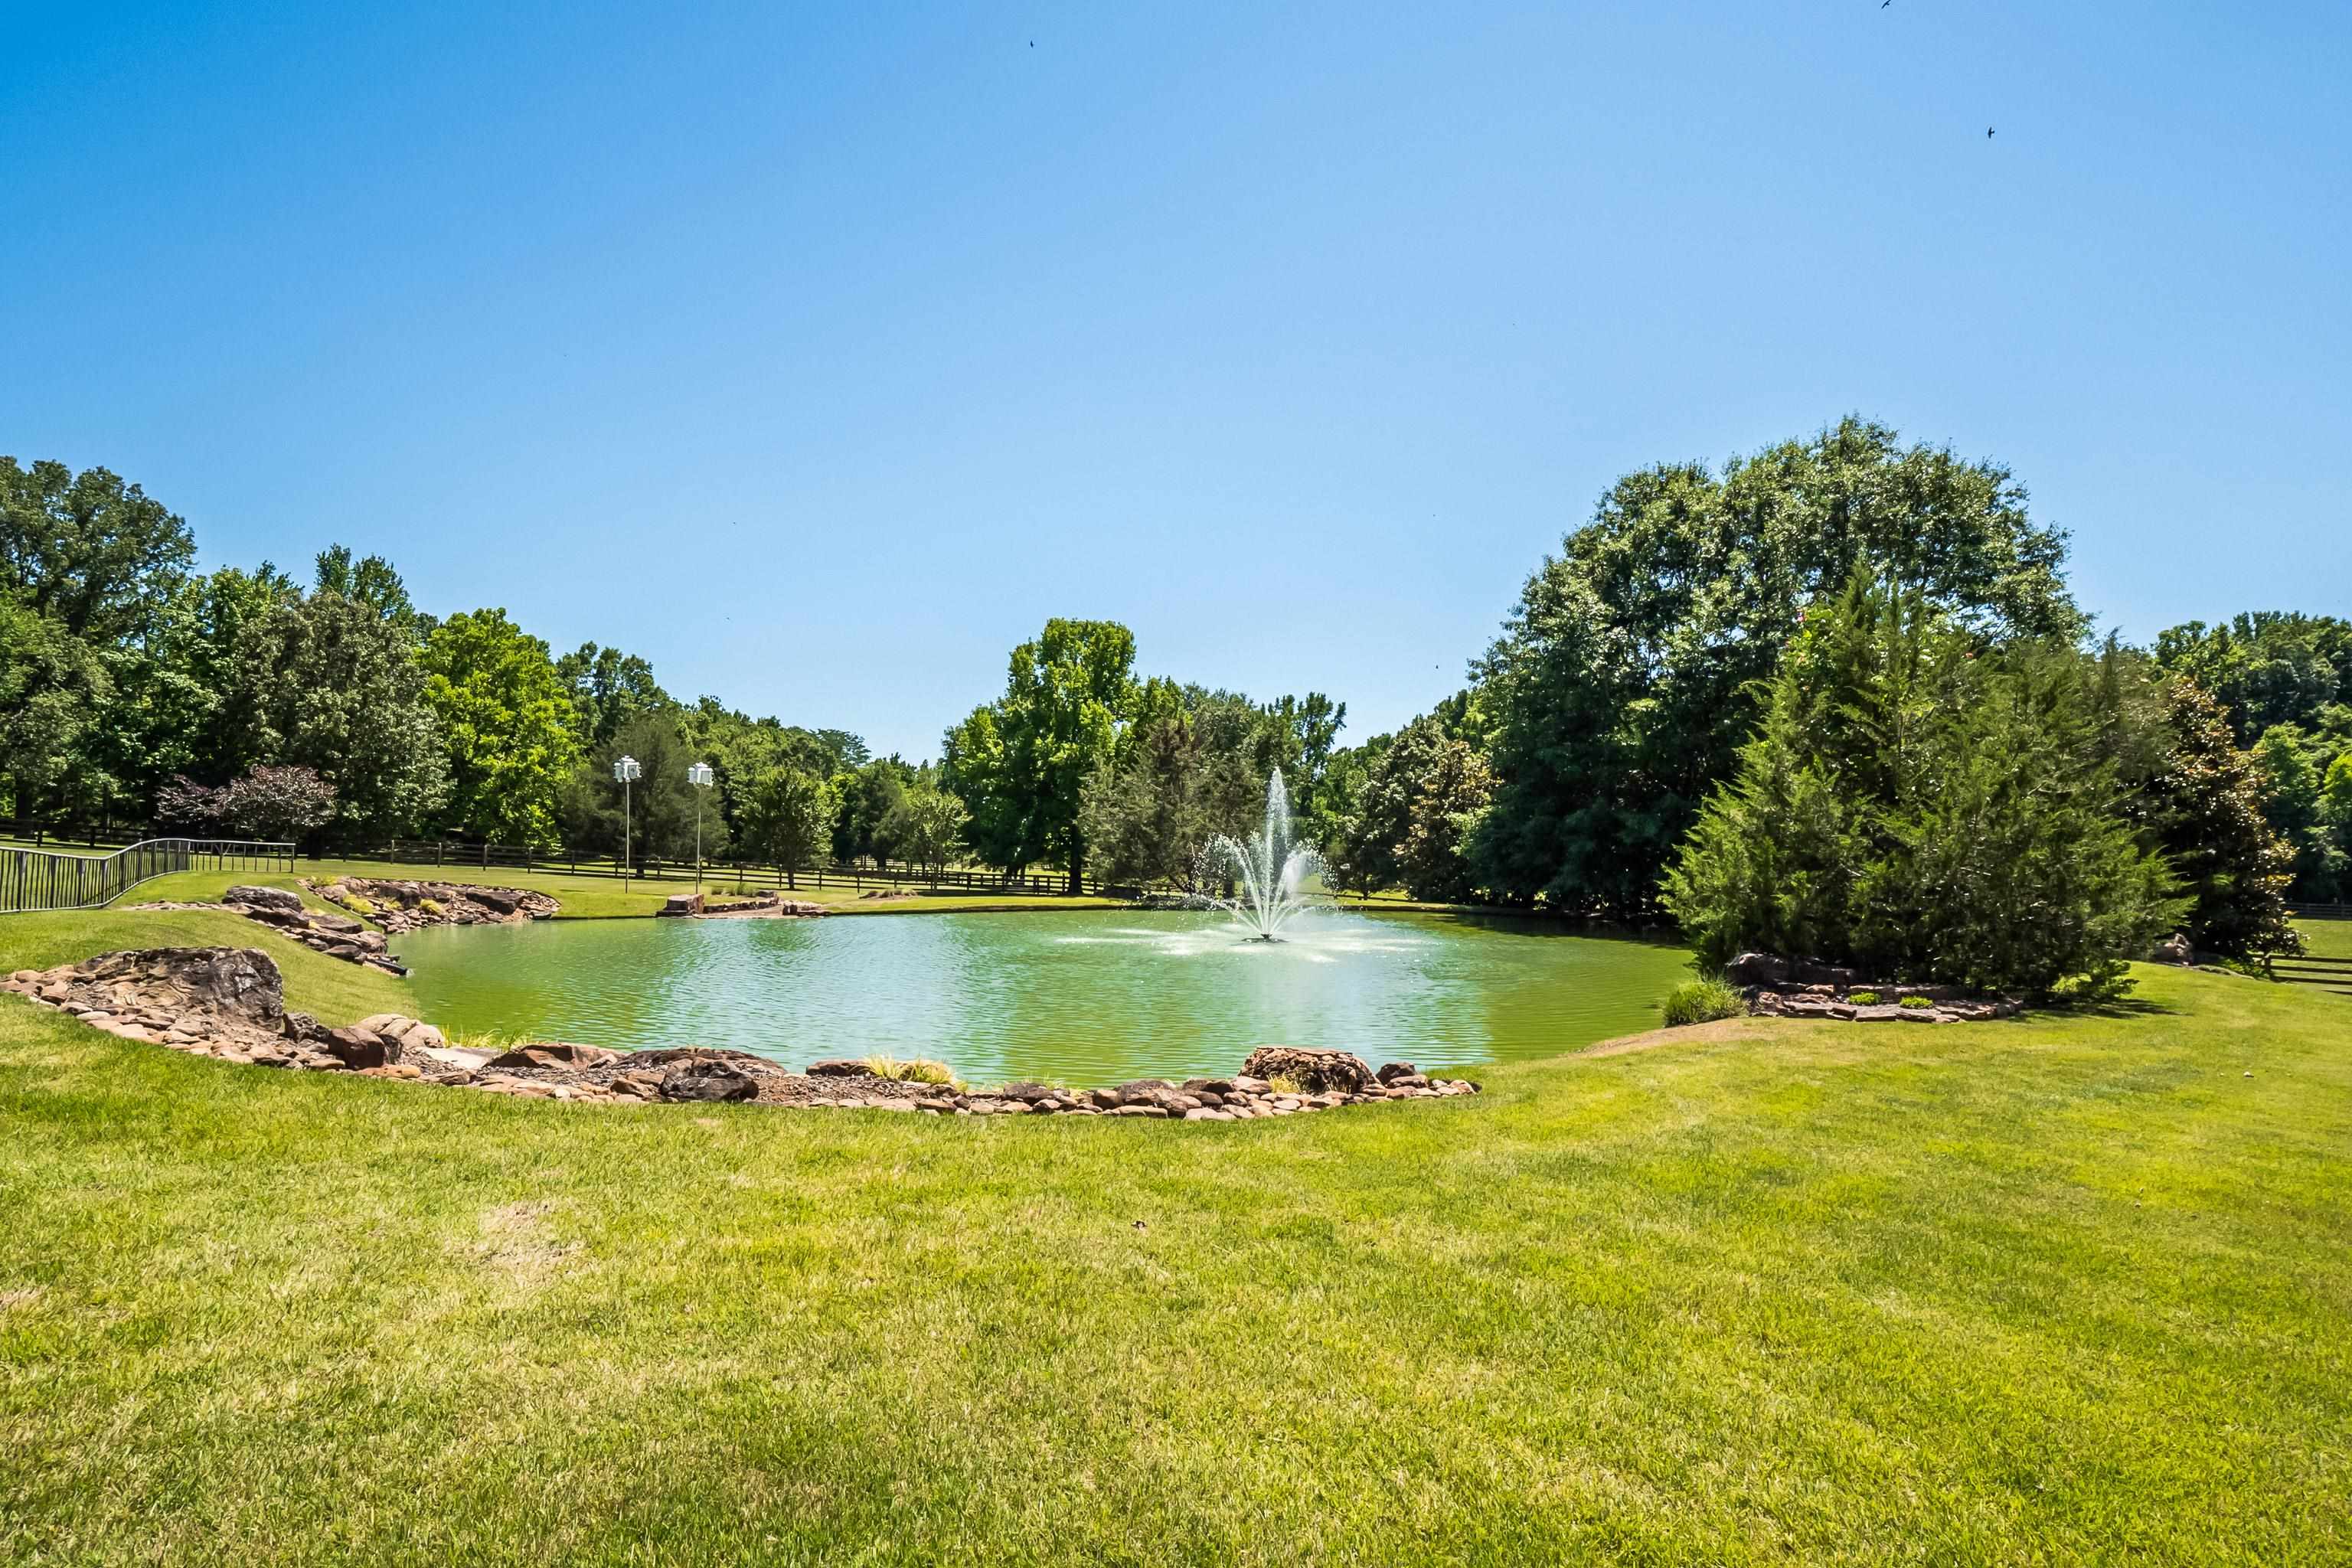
(1987, 132)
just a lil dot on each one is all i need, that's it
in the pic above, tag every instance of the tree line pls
(244, 702)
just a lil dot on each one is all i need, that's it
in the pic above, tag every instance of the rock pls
(1886, 1013)
(679, 904)
(1160, 1111)
(263, 898)
(357, 1046)
(1205, 1114)
(558, 1055)
(1392, 1071)
(1310, 1069)
(1030, 1093)
(2175, 949)
(705, 1081)
(1756, 968)
(840, 1066)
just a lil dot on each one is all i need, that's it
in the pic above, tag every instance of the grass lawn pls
(2060, 1291)
(2326, 939)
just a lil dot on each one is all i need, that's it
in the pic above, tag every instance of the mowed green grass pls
(2326, 939)
(2062, 1291)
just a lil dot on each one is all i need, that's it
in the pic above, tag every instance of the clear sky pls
(820, 353)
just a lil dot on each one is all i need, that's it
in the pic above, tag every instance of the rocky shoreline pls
(400, 906)
(337, 936)
(229, 1004)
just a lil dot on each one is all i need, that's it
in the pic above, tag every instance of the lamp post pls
(627, 771)
(699, 775)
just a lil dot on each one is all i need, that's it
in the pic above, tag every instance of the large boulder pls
(1756, 968)
(1316, 1072)
(707, 1081)
(260, 898)
(230, 979)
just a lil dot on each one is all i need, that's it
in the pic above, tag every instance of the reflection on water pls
(1084, 997)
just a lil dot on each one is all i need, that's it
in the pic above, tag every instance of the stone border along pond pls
(229, 1003)
(1790, 988)
(395, 905)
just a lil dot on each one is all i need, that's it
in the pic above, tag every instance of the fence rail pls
(2320, 911)
(35, 879)
(2329, 974)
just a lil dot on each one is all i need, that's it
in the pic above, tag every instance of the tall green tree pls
(506, 725)
(2206, 805)
(925, 825)
(1146, 817)
(1626, 681)
(1020, 763)
(1925, 806)
(94, 554)
(790, 819)
(609, 688)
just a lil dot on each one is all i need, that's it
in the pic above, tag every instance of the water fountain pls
(1269, 872)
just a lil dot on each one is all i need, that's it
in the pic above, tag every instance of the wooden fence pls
(32, 880)
(2328, 973)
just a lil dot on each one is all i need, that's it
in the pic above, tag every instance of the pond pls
(1084, 997)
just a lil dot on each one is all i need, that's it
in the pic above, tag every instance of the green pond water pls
(1093, 997)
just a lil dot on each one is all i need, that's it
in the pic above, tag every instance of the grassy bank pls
(2060, 1291)
(591, 898)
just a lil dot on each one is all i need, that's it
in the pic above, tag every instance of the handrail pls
(36, 879)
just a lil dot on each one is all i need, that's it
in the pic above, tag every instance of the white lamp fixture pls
(626, 772)
(699, 775)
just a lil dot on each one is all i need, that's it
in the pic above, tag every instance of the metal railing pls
(34, 879)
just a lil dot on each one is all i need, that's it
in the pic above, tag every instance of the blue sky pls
(820, 353)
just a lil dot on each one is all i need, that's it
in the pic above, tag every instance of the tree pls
(1926, 807)
(2265, 668)
(2206, 806)
(926, 825)
(1020, 763)
(609, 688)
(345, 695)
(1628, 678)
(277, 805)
(789, 818)
(1146, 818)
(662, 807)
(1452, 795)
(867, 797)
(52, 688)
(87, 551)
(506, 725)
(2285, 781)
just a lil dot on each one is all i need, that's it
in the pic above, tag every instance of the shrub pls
(925, 1071)
(1281, 1085)
(430, 906)
(1863, 998)
(1702, 1001)
(1920, 1002)
(358, 904)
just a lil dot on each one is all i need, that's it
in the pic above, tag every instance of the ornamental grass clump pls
(1915, 1003)
(1703, 1001)
(1863, 998)
(922, 1069)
